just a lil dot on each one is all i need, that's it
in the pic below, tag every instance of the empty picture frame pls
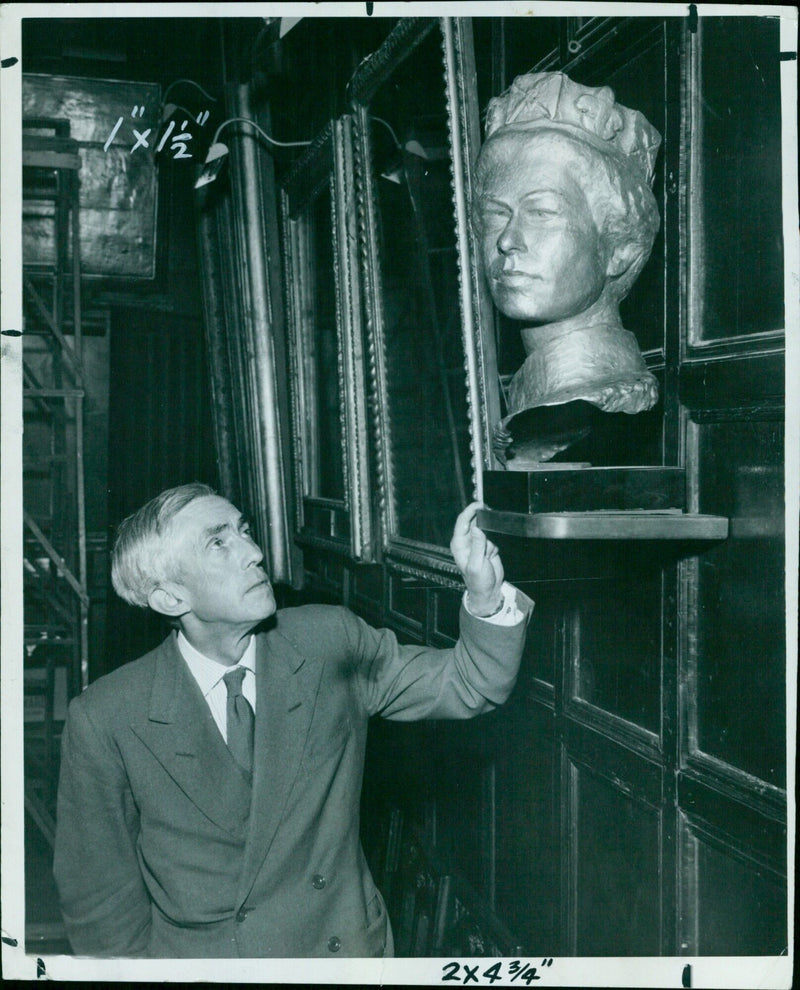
(328, 388)
(416, 135)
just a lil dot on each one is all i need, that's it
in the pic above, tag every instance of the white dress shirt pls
(509, 614)
(209, 673)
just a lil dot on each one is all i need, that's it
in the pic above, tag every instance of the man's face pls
(541, 250)
(218, 564)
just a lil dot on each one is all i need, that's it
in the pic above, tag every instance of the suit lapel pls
(286, 692)
(181, 734)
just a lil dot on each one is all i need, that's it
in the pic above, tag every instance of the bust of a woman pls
(566, 220)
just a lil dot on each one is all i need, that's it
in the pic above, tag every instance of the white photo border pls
(733, 972)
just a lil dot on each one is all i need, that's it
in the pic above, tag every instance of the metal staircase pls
(54, 561)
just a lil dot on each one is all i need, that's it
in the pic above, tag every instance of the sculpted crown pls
(552, 99)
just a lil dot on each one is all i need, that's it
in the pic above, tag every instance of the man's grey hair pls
(142, 556)
(623, 205)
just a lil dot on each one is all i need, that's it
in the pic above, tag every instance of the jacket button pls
(318, 881)
(334, 944)
(241, 914)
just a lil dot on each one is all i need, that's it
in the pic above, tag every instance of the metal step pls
(49, 641)
(53, 393)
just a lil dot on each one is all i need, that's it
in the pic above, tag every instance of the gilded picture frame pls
(461, 319)
(326, 360)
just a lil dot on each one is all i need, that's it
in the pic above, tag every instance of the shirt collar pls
(207, 672)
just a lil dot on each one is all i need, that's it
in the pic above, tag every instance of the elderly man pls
(566, 221)
(209, 794)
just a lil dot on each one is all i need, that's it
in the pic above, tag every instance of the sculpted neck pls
(604, 313)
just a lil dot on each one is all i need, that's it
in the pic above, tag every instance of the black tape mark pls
(10, 941)
(6, 63)
(11, 333)
(787, 57)
(369, 8)
(693, 18)
(40, 969)
(686, 978)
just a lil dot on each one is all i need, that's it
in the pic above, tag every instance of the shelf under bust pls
(585, 503)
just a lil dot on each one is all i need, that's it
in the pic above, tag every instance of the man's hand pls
(479, 561)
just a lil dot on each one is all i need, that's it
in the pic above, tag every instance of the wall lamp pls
(170, 111)
(218, 152)
(395, 171)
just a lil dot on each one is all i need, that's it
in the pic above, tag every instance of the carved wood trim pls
(373, 317)
(377, 67)
(478, 317)
(351, 352)
(328, 160)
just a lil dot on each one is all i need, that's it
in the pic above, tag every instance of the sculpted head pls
(559, 225)
(565, 220)
(563, 208)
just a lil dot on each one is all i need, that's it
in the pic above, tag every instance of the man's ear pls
(168, 599)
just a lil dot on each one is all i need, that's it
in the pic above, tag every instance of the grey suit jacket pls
(164, 849)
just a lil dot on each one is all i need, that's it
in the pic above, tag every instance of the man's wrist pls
(508, 614)
(485, 609)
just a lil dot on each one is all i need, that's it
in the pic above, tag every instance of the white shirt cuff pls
(509, 614)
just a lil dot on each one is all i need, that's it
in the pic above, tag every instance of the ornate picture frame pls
(236, 237)
(326, 361)
(442, 137)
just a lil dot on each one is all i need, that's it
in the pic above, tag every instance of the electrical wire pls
(386, 124)
(177, 106)
(191, 82)
(247, 120)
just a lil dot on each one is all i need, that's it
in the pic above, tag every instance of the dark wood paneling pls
(305, 76)
(325, 573)
(447, 608)
(460, 753)
(740, 179)
(733, 900)
(760, 835)
(615, 847)
(616, 648)
(750, 919)
(528, 854)
(741, 654)
(367, 585)
(408, 602)
(544, 643)
(327, 438)
(640, 778)
(754, 383)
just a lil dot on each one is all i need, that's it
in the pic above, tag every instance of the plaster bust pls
(565, 220)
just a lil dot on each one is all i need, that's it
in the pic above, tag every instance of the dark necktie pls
(240, 720)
